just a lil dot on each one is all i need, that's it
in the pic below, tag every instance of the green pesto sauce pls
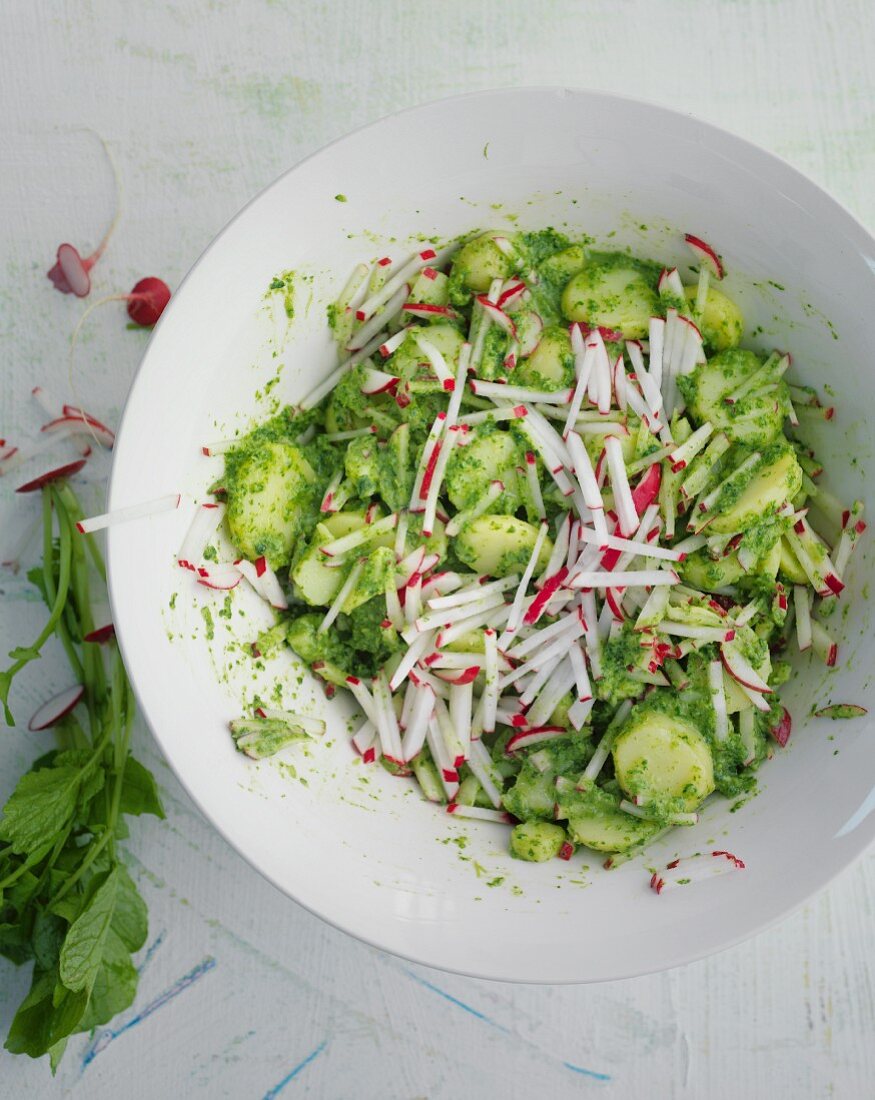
(284, 284)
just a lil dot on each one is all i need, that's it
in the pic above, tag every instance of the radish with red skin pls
(706, 254)
(782, 729)
(101, 635)
(50, 713)
(68, 423)
(52, 475)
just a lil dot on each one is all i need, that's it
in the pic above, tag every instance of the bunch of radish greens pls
(67, 903)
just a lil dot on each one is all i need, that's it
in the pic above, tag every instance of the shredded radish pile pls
(619, 489)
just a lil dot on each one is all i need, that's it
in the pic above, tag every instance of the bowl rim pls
(672, 959)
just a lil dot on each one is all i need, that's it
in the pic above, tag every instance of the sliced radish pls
(841, 710)
(427, 311)
(396, 284)
(823, 645)
(204, 524)
(740, 669)
(363, 742)
(51, 476)
(221, 577)
(378, 381)
(525, 739)
(782, 729)
(496, 314)
(50, 713)
(705, 254)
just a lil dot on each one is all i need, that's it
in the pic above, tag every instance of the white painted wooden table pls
(204, 102)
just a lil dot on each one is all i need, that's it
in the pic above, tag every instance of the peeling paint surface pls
(204, 102)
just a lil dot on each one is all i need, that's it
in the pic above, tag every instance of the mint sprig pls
(67, 902)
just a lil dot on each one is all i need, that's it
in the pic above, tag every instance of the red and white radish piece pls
(51, 476)
(50, 713)
(133, 512)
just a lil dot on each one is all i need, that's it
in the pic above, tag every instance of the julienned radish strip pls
(550, 459)
(460, 707)
(802, 606)
(472, 593)
(378, 323)
(683, 455)
(124, 515)
(718, 700)
(581, 677)
(343, 594)
(625, 578)
(433, 620)
(359, 537)
(603, 749)
(490, 686)
(493, 492)
(500, 817)
(551, 694)
(698, 633)
(584, 359)
(494, 618)
(455, 403)
(551, 652)
(417, 725)
(568, 623)
(387, 726)
(533, 483)
(701, 468)
(451, 438)
(548, 598)
(645, 550)
(525, 739)
(265, 582)
(417, 649)
(516, 611)
(500, 412)
(204, 524)
(437, 362)
(447, 770)
(487, 775)
(363, 741)
(398, 281)
(502, 392)
(823, 645)
(312, 399)
(583, 471)
(695, 869)
(434, 434)
(480, 324)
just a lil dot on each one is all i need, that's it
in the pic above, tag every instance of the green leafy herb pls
(67, 902)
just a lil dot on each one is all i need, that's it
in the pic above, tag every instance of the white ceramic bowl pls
(368, 857)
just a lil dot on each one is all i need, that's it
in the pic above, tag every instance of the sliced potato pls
(267, 497)
(722, 323)
(772, 485)
(480, 261)
(551, 364)
(614, 295)
(499, 545)
(657, 755)
(611, 831)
